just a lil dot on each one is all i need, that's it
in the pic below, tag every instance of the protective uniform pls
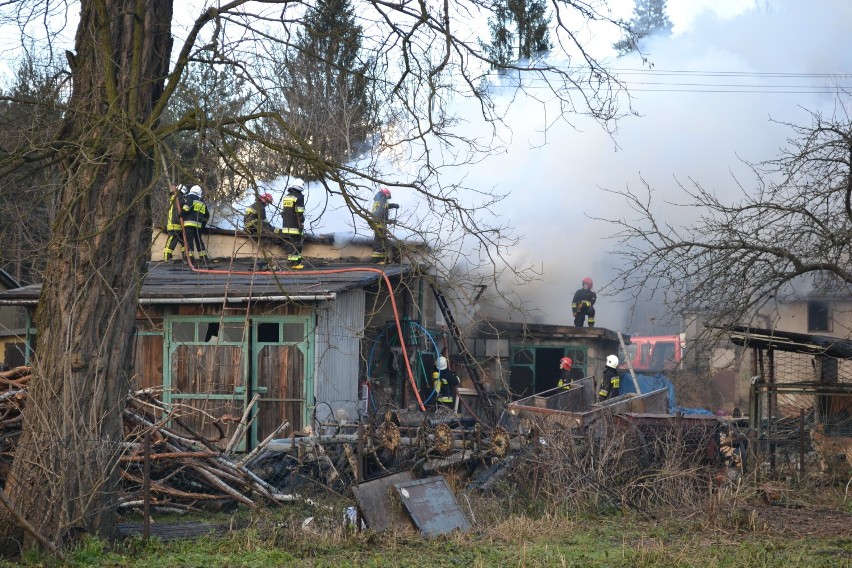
(567, 374)
(381, 212)
(254, 218)
(583, 304)
(293, 215)
(611, 384)
(442, 383)
(173, 228)
(195, 217)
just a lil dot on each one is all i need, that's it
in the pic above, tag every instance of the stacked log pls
(187, 471)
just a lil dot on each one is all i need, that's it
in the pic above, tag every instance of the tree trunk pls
(64, 477)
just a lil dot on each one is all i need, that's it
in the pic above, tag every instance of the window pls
(819, 316)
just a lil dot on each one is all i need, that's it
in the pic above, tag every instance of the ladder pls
(467, 359)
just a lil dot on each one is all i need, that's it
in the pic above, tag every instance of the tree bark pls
(65, 475)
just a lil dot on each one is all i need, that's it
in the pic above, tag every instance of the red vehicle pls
(655, 353)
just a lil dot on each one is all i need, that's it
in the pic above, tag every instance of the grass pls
(547, 540)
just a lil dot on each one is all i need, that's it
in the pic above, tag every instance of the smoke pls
(766, 61)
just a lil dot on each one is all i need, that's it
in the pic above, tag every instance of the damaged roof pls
(174, 283)
(526, 330)
(790, 341)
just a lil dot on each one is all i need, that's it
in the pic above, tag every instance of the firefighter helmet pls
(588, 281)
(612, 361)
(265, 198)
(442, 363)
(386, 192)
(565, 363)
(195, 190)
(181, 189)
(295, 189)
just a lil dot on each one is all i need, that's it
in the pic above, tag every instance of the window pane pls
(232, 332)
(183, 331)
(294, 332)
(523, 357)
(269, 332)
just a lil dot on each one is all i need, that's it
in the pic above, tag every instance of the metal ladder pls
(467, 359)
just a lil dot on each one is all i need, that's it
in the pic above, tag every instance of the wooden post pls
(801, 442)
(146, 487)
(629, 364)
(359, 469)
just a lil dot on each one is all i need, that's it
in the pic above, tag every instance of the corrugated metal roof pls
(175, 281)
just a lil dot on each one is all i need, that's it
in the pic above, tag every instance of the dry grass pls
(615, 465)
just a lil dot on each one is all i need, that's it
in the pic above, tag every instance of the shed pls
(526, 355)
(12, 327)
(212, 340)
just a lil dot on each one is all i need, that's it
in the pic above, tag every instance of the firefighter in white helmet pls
(195, 216)
(444, 382)
(611, 384)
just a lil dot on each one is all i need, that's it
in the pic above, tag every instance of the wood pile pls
(187, 471)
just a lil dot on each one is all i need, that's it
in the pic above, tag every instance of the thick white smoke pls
(692, 125)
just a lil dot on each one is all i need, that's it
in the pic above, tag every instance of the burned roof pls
(525, 330)
(791, 342)
(238, 280)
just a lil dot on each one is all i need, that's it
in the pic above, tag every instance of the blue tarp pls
(650, 383)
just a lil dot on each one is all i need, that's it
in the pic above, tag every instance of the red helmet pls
(565, 363)
(588, 281)
(265, 198)
(386, 192)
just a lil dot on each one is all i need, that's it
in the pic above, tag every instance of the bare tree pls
(30, 115)
(791, 234)
(124, 76)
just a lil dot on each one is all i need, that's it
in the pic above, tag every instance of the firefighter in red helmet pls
(583, 304)
(567, 373)
(380, 221)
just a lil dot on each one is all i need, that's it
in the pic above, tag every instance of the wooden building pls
(524, 357)
(12, 327)
(213, 340)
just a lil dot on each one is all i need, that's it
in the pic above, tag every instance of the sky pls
(692, 123)
(689, 127)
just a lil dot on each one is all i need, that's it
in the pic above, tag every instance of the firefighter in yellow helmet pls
(611, 384)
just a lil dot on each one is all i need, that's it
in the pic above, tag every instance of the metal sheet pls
(340, 325)
(377, 502)
(432, 506)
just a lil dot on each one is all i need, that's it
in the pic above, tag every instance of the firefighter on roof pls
(254, 218)
(195, 216)
(173, 228)
(293, 215)
(381, 215)
(583, 304)
(611, 384)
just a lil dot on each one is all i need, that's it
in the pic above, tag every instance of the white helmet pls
(195, 190)
(181, 188)
(612, 361)
(442, 363)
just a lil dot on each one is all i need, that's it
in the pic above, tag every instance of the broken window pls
(819, 316)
